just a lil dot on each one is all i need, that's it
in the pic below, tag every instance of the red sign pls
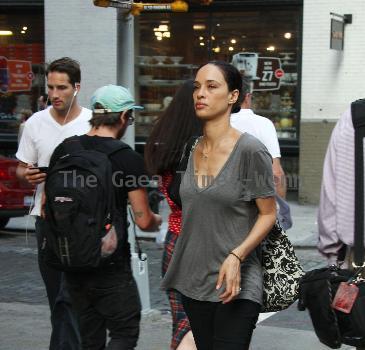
(279, 73)
(20, 75)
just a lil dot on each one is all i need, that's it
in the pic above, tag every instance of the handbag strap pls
(358, 121)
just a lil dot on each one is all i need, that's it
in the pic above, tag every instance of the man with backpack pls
(89, 183)
(42, 133)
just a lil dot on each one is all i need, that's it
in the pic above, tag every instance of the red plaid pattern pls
(180, 322)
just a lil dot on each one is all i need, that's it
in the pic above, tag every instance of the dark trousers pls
(106, 299)
(218, 326)
(65, 334)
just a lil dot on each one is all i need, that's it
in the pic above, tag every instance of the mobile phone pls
(42, 169)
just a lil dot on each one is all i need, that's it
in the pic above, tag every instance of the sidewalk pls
(26, 327)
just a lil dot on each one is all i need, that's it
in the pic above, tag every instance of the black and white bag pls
(281, 271)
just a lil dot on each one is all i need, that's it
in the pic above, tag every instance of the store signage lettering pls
(337, 35)
(268, 74)
(157, 7)
(15, 75)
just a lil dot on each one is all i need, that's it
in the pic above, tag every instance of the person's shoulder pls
(264, 121)
(86, 113)
(242, 113)
(128, 160)
(251, 144)
(125, 151)
(37, 118)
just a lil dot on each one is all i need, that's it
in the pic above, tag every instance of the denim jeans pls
(65, 333)
(106, 299)
(218, 326)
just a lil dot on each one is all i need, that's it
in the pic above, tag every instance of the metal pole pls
(125, 61)
(125, 77)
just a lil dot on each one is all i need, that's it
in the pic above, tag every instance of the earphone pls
(69, 108)
(76, 91)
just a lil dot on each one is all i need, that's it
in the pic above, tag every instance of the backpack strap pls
(358, 121)
(174, 187)
(110, 148)
(72, 144)
(114, 146)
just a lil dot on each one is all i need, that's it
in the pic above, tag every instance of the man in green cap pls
(107, 298)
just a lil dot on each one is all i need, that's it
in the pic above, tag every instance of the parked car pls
(15, 196)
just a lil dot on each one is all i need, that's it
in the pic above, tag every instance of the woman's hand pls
(230, 275)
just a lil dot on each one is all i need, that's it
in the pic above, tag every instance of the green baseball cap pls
(114, 99)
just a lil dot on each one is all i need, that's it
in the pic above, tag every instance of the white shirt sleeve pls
(27, 152)
(270, 139)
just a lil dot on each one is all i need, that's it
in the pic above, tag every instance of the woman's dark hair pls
(66, 65)
(232, 77)
(171, 131)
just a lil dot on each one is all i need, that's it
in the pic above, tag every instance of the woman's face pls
(211, 96)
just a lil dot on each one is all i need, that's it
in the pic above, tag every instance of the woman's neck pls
(215, 130)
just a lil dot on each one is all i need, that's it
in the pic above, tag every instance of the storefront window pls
(168, 54)
(263, 44)
(21, 70)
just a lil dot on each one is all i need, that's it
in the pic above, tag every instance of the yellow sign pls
(137, 7)
(114, 3)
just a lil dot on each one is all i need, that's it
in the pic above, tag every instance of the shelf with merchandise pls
(161, 82)
(167, 65)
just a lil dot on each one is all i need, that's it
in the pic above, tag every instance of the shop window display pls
(21, 70)
(171, 46)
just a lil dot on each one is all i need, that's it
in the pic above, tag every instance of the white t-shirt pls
(260, 127)
(41, 135)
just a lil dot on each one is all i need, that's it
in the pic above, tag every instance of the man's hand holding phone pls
(35, 175)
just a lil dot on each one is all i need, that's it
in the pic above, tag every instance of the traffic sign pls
(279, 73)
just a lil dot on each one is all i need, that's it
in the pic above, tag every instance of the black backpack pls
(80, 205)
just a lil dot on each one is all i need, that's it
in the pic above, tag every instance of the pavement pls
(25, 325)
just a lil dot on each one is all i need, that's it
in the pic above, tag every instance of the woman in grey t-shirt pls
(228, 209)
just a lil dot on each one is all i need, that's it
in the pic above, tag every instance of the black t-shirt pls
(128, 175)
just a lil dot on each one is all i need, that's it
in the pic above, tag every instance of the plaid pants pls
(180, 322)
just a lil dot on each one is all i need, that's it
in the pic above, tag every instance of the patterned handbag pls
(281, 271)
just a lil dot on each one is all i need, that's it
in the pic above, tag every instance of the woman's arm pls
(230, 271)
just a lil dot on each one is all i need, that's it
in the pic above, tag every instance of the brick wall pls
(331, 80)
(78, 29)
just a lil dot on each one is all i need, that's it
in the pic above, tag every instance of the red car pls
(15, 196)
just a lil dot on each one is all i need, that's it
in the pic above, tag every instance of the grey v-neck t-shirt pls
(216, 219)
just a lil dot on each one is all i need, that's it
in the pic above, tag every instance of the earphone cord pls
(31, 206)
(69, 108)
